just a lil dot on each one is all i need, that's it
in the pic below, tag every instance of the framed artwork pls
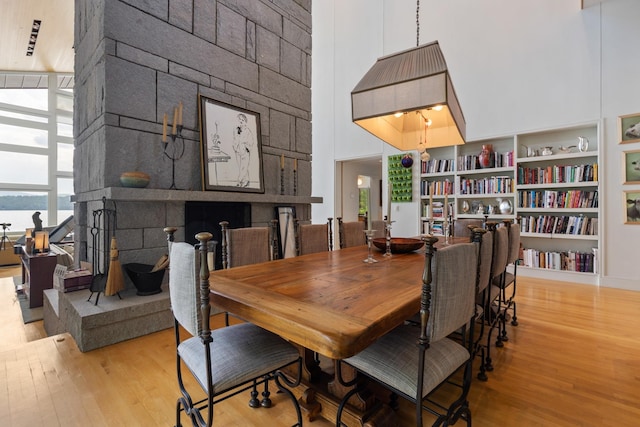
(286, 216)
(231, 147)
(629, 128)
(631, 167)
(632, 207)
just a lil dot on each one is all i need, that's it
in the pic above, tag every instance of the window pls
(36, 150)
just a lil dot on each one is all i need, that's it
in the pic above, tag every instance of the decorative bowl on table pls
(134, 179)
(399, 245)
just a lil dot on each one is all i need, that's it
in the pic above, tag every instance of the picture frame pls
(632, 207)
(231, 147)
(631, 166)
(629, 128)
(286, 216)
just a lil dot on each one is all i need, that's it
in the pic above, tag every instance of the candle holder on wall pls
(175, 153)
(295, 181)
(282, 181)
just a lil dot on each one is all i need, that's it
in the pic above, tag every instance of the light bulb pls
(438, 107)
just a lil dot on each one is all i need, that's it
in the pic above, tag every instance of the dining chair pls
(484, 239)
(507, 282)
(351, 233)
(312, 238)
(412, 362)
(224, 361)
(492, 312)
(463, 227)
(380, 228)
(247, 245)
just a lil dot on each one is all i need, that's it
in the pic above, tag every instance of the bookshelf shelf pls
(562, 185)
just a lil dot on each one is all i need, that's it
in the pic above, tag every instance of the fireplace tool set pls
(103, 235)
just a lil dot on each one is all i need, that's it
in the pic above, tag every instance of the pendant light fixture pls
(403, 85)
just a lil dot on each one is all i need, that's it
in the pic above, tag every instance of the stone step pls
(111, 321)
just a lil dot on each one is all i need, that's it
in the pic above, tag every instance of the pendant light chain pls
(417, 22)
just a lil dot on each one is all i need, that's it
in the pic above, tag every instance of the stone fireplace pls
(135, 62)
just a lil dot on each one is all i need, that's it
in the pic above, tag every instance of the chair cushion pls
(508, 279)
(239, 353)
(393, 360)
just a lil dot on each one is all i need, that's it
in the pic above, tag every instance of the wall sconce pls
(41, 244)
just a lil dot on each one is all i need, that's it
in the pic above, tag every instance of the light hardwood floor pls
(573, 361)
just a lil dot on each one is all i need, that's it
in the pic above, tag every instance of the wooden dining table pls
(330, 303)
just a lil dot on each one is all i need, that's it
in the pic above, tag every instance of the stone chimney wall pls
(136, 60)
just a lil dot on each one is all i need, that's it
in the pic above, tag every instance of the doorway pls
(348, 189)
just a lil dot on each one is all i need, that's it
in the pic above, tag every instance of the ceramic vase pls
(485, 158)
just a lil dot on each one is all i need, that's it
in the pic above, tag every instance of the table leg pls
(320, 392)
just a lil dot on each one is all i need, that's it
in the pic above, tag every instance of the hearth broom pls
(115, 278)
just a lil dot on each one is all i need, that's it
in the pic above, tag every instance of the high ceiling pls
(53, 51)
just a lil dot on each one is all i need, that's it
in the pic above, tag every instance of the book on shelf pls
(557, 174)
(437, 188)
(437, 210)
(552, 199)
(585, 262)
(563, 224)
(437, 166)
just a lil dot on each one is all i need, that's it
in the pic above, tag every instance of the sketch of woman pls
(242, 145)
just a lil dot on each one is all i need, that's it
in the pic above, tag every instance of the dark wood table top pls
(329, 302)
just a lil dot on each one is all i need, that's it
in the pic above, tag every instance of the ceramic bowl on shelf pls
(399, 245)
(134, 179)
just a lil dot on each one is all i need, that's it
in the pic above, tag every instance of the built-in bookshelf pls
(541, 179)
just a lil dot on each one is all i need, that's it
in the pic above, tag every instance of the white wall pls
(516, 66)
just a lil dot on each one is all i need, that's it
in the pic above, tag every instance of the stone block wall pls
(136, 60)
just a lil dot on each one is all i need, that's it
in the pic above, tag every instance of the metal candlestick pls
(388, 237)
(177, 143)
(281, 181)
(369, 234)
(295, 182)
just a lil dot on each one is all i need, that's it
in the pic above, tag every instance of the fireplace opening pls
(206, 216)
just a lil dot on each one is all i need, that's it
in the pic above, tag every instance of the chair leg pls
(254, 402)
(488, 363)
(514, 319)
(482, 374)
(503, 326)
(501, 333)
(178, 405)
(266, 401)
